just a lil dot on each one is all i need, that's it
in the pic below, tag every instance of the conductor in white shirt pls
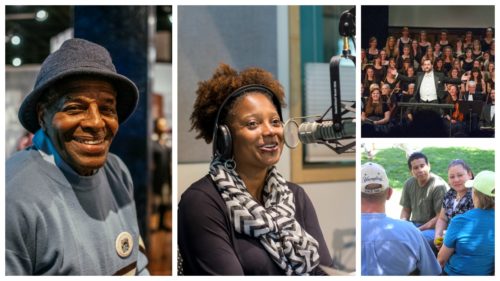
(429, 85)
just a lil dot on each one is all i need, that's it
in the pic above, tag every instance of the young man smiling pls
(422, 196)
(69, 202)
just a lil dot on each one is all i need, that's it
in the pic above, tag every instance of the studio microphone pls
(321, 131)
(339, 132)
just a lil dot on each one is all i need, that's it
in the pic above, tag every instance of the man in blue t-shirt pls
(389, 246)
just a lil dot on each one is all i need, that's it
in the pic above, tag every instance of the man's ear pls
(40, 110)
(389, 193)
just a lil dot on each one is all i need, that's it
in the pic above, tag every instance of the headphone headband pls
(236, 93)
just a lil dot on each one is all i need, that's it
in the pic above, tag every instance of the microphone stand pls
(347, 29)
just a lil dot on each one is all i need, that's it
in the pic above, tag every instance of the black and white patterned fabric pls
(274, 224)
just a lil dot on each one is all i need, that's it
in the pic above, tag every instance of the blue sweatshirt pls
(60, 223)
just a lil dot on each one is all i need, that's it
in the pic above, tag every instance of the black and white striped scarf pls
(274, 224)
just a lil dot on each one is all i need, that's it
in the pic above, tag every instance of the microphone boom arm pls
(347, 29)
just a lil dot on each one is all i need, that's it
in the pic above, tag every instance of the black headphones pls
(222, 141)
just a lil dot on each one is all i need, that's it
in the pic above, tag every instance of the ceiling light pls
(16, 62)
(41, 15)
(15, 40)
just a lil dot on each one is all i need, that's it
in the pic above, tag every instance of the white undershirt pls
(428, 87)
(455, 203)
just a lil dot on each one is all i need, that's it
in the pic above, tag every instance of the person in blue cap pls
(69, 202)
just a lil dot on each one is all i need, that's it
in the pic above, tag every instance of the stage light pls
(41, 15)
(16, 62)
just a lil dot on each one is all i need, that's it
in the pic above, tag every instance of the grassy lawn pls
(395, 163)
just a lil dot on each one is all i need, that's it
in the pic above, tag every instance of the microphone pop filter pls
(291, 133)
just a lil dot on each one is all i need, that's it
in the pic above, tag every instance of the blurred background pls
(139, 39)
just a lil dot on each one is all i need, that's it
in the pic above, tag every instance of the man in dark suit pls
(471, 94)
(429, 85)
(487, 118)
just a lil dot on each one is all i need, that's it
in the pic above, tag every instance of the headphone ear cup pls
(224, 142)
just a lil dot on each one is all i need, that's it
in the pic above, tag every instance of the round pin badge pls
(124, 244)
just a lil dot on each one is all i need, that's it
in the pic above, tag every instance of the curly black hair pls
(212, 93)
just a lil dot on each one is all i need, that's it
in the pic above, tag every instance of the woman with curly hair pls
(243, 217)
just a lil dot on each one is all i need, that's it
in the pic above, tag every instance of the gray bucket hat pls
(78, 57)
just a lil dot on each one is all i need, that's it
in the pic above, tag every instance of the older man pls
(389, 246)
(472, 94)
(69, 202)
